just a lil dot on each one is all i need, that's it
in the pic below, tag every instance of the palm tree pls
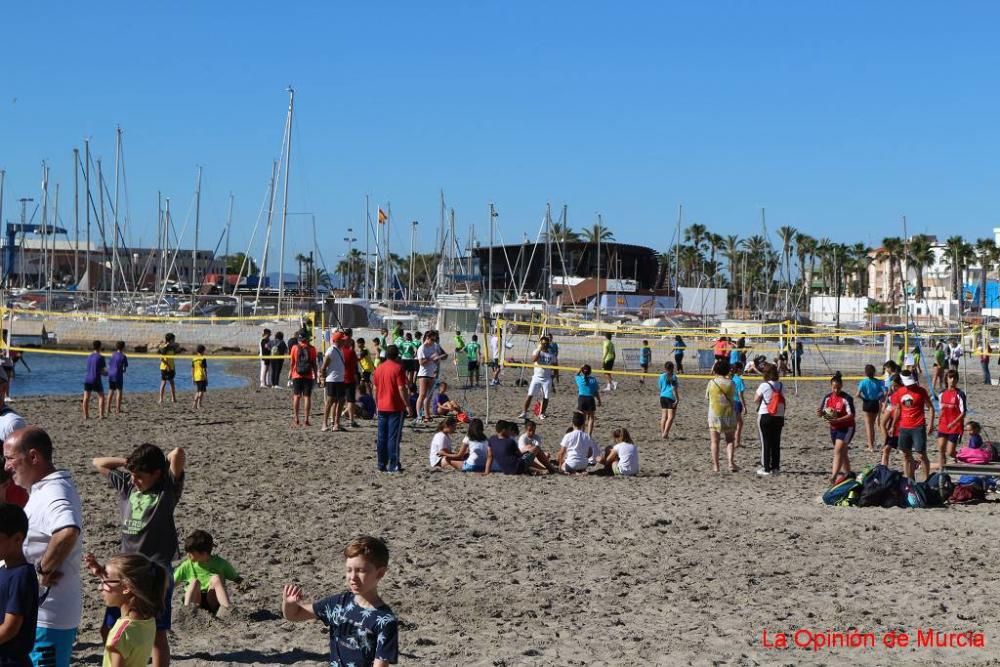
(787, 235)
(920, 256)
(957, 255)
(598, 231)
(805, 246)
(300, 259)
(563, 233)
(695, 234)
(986, 250)
(860, 261)
(715, 242)
(321, 278)
(892, 252)
(234, 263)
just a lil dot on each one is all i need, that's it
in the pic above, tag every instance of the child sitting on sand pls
(621, 458)
(530, 441)
(444, 405)
(472, 456)
(577, 448)
(504, 456)
(441, 443)
(363, 629)
(364, 407)
(205, 575)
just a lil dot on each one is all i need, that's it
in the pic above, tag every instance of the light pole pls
(413, 238)
(350, 240)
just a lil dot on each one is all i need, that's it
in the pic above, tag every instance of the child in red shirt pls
(951, 425)
(837, 408)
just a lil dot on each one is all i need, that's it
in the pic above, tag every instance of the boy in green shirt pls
(206, 575)
(608, 361)
(472, 354)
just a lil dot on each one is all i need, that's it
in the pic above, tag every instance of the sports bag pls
(777, 400)
(303, 365)
(918, 496)
(942, 485)
(884, 487)
(844, 493)
(974, 456)
(967, 493)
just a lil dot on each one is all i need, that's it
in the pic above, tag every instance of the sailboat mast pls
(262, 270)
(114, 240)
(86, 206)
(229, 227)
(284, 208)
(197, 230)
(677, 254)
(547, 287)
(600, 226)
(76, 215)
(52, 254)
(368, 223)
(100, 195)
(45, 219)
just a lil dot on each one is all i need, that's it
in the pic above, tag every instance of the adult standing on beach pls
(541, 378)
(721, 349)
(721, 395)
(302, 375)
(679, 347)
(608, 361)
(770, 401)
(279, 350)
(54, 542)
(429, 357)
(391, 400)
(955, 353)
(333, 371)
(264, 351)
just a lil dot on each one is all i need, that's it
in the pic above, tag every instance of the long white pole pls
(600, 226)
(284, 208)
(229, 226)
(86, 206)
(197, 229)
(45, 219)
(114, 240)
(368, 220)
(52, 255)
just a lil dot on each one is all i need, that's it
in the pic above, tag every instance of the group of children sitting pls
(511, 452)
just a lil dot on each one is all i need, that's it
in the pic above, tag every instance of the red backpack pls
(777, 400)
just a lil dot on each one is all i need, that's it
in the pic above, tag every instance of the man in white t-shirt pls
(333, 371)
(577, 449)
(541, 377)
(54, 542)
(955, 353)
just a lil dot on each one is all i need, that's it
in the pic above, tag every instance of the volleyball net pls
(809, 352)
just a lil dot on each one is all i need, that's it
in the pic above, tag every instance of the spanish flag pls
(382, 217)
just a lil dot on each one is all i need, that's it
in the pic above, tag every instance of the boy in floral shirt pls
(363, 629)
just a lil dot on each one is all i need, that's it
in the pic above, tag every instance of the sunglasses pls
(108, 583)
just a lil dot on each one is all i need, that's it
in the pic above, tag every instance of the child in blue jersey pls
(117, 366)
(645, 359)
(588, 391)
(670, 396)
(92, 384)
(736, 375)
(871, 392)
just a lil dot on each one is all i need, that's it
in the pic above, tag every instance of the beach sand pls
(678, 566)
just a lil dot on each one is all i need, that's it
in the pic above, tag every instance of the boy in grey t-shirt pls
(148, 493)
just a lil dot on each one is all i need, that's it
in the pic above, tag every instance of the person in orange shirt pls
(302, 373)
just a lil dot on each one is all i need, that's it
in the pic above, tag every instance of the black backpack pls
(884, 487)
(303, 365)
(941, 485)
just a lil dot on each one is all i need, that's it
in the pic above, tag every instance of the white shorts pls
(540, 383)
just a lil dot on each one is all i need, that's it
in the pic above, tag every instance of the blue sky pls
(836, 117)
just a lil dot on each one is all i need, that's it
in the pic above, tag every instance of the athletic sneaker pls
(614, 386)
(762, 473)
(523, 415)
(542, 417)
(775, 472)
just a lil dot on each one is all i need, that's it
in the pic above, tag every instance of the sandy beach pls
(678, 566)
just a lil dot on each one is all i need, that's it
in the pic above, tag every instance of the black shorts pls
(953, 438)
(586, 403)
(336, 390)
(473, 366)
(115, 386)
(411, 365)
(201, 385)
(892, 442)
(168, 376)
(870, 406)
(302, 386)
(350, 391)
(366, 376)
(608, 365)
(96, 387)
(667, 403)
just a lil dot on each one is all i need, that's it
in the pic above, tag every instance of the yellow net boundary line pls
(141, 355)
(178, 319)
